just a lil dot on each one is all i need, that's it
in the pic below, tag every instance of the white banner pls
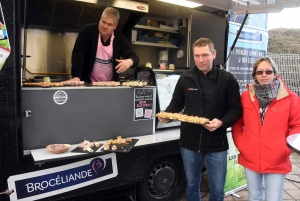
(45, 183)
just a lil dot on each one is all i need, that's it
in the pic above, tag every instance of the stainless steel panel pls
(89, 113)
(48, 51)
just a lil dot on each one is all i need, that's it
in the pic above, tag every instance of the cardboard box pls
(152, 22)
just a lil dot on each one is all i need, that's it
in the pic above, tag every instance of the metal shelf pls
(153, 44)
(155, 28)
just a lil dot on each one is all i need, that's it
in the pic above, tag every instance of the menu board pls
(241, 62)
(165, 88)
(143, 103)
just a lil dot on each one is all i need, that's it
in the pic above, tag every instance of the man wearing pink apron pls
(98, 49)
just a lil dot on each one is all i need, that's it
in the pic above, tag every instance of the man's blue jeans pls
(216, 165)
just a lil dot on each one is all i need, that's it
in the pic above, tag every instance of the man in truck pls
(205, 91)
(98, 48)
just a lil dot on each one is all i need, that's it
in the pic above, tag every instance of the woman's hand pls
(123, 65)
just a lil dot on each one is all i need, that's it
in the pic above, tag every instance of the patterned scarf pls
(266, 92)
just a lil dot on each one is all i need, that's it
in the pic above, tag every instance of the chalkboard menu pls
(143, 103)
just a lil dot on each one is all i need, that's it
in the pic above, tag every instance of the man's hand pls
(123, 65)
(213, 125)
(163, 120)
(74, 79)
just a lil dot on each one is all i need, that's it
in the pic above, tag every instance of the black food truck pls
(53, 136)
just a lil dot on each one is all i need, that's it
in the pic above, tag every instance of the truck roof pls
(250, 6)
(171, 11)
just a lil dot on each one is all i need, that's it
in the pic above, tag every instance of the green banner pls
(235, 178)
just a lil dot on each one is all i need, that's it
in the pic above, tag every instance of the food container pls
(46, 79)
(149, 65)
(171, 67)
(58, 148)
(162, 66)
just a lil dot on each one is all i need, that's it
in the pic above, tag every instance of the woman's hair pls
(202, 42)
(111, 11)
(258, 61)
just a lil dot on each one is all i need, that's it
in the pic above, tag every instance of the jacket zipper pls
(260, 131)
(197, 83)
(200, 139)
(259, 144)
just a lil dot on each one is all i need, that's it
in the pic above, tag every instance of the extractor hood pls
(71, 15)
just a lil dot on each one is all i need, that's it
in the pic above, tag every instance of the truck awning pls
(250, 6)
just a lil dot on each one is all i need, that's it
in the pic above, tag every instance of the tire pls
(164, 180)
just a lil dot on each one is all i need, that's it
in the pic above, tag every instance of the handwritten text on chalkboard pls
(143, 103)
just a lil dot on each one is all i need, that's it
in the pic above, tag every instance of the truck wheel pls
(164, 180)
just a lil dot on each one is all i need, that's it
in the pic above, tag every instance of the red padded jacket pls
(263, 148)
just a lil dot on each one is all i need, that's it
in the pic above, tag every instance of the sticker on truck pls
(45, 183)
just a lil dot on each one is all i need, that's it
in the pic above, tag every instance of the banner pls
(235, 177)
(4, 41)
(45, 183)
(251, 45)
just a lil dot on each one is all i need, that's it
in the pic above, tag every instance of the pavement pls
(291, 185)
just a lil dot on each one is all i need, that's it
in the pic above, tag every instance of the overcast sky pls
(287, 18)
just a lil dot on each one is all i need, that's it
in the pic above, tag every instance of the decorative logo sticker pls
(141, 7)
(60, 97)
(98, 165)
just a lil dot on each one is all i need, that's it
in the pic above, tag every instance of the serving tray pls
(125, 147)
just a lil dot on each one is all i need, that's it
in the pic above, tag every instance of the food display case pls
(165, 82)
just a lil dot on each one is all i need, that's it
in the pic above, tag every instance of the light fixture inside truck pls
(183, 3)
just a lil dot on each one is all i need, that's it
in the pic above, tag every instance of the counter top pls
(42, 155)
(82, 87)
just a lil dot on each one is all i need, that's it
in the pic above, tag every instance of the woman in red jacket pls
(271, 112)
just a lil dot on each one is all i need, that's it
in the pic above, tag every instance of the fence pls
(288, 69)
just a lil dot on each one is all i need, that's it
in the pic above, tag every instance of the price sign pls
(143, 104)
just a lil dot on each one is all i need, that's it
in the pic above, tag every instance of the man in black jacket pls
(205, 91)
(98, 48)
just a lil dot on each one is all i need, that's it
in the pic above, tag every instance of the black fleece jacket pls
(85, 49)
(225, 106)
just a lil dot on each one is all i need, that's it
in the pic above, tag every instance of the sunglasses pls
(260, 72)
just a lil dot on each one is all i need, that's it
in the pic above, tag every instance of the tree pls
(282, 40)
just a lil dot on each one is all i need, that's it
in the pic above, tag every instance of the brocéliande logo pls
(256, 37)
(54, 181)
(60, 97)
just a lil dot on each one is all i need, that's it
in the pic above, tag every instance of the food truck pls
(37, 37)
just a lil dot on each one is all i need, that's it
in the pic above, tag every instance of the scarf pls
(266, 92)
